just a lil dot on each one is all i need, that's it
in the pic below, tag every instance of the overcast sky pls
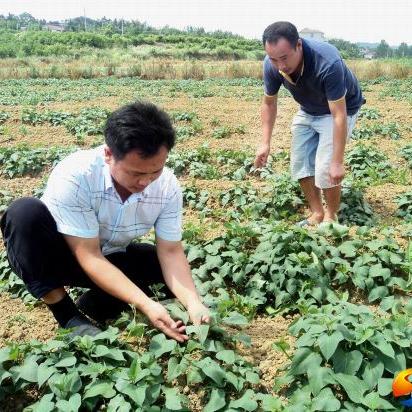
(354, 20)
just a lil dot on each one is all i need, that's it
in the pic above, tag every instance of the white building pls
(312, 34)
(53, 27)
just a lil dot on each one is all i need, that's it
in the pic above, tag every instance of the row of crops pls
(347, 287)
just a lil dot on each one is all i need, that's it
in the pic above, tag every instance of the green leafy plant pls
(368, 164)
(354, 210)
(369, 113)
(406, 153)
(104, 372)
(404, 202)
(11, 283)
(346, 357)
(4, 116)
(221, 132)
(22, 160)
(6, 198)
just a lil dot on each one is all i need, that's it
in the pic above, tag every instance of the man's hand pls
(336, 173)
(198, 313)
(262, 155)
(160, 319)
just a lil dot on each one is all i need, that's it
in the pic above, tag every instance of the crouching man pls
(80, 233)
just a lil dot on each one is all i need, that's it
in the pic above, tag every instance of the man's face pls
(134, 173)
(283, 56)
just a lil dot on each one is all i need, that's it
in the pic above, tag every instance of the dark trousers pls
(40, 256)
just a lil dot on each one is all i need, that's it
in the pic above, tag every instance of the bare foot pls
(330, 218)
(315, 218)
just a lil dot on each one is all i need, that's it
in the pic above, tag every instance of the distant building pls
(312, 34)
(53, 27)
(369, 55)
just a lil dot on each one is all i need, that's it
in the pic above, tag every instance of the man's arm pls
(113, 281)
(268, 117)
(340, 132)
(178, 277)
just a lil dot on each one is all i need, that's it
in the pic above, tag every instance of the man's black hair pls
(139, 126)
(278, 30)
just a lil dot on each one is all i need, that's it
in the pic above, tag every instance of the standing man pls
(329, 96)
(80, 233)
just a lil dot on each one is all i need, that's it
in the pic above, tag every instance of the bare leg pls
(54, 296)
(332, 198)
(313, 197)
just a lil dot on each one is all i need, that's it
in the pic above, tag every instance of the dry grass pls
(129, 65)
(372, 69)
(150, 69)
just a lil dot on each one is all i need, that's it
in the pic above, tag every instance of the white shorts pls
(312, 146)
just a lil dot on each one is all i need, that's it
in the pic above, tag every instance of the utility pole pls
(122, 26)
(84, 14)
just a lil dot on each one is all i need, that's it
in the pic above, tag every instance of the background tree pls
(383, 50)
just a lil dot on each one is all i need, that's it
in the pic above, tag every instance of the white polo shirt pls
(83, 201)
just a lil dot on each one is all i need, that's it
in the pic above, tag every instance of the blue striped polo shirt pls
(83, 201)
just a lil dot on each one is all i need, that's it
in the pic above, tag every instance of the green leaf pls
(377, 270)
(354, 387)
(118, 404)
(304, 360)
(329, 343)
(193, 376)
(216, 401)
(246, 402)
(375, 402)
(385, 386)
(379, 341)
(393, 365)
(115, 354)
(173, 370)
(195, 252)
(153, 393)
(174, 400)
(212, 369)
(100, 350)
(373, 372)
(325, 401)
(43, 373)
(227, 356)
(45, 404)
(270, 403)
(252, 377)
(348, 248)
(318, 378)
(27, 371)
(64, 384)
(235, 319)
(72, 405)
(160, 345)
(243, 338)
(100, 388)
(66, 361)
(136, 393)
(378, 292)
(347, 362)
(201, 331)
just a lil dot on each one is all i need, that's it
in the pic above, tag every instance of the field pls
(306, 320)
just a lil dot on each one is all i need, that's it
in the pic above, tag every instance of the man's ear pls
(108, 155)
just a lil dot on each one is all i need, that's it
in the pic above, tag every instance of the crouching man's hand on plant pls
(198, 312)
(160, 319)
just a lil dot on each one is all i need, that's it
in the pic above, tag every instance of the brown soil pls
(19, 322)
(264, 331)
